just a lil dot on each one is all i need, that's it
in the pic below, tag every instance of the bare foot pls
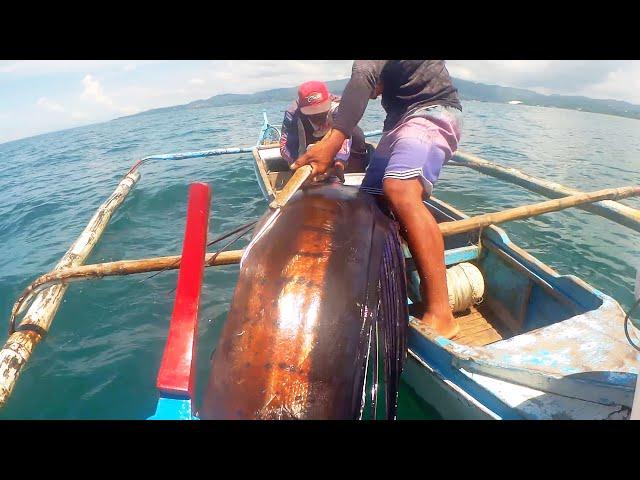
(445, 325)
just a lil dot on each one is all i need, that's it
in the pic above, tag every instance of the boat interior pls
(521, 293)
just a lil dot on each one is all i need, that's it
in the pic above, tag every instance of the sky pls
(49, 95)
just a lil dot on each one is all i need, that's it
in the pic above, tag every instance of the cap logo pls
(313, 97)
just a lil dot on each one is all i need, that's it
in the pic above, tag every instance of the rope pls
(247, 229)
(465, 285)
(244, 229)
(626, 325)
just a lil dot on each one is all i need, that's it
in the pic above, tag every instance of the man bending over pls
(421, 133)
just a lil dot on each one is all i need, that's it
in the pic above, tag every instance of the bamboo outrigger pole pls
(110, 269)
(36, 323)
(127, 267)
(526, 211)
(617, 212)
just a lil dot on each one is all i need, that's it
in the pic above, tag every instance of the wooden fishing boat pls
(540, 345)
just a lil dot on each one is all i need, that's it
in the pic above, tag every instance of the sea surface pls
(102, 354)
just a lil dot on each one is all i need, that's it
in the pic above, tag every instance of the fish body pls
(321, 285)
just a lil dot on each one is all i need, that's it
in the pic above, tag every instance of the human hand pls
(321, 155)
(337, 169)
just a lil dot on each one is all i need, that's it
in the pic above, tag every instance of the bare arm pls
(365, 76)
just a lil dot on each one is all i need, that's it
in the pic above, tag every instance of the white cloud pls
(44, 67)
(94, 91)
(230, 76)
(620, 84)
(146, 97)
(120, 87)
(616, 79)
(50, 105)
(461, 71)
(249, 76)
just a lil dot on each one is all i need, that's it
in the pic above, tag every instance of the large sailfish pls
(320, 303)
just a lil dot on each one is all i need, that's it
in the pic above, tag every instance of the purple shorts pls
(417, 147)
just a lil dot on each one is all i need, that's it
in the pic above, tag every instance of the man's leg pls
(404, 168)
(427, 248)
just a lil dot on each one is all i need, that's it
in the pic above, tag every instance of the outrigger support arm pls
(20, 345)
(219, 151)
(526, 211)
(127, 267)
(110, 269)
(614, 211)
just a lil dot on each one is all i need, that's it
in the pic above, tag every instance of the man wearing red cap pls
(309, 118)
(421, 132)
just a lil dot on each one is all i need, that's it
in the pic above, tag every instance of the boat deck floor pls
(479, 326)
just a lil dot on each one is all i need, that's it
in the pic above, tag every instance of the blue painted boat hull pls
(561, 354)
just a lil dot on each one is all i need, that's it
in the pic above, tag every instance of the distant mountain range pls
(467, 90)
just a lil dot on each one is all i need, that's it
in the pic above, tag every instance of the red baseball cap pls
(313, 98)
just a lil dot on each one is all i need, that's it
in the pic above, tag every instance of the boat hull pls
(541, 312)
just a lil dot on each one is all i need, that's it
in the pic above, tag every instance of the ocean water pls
(102, 354)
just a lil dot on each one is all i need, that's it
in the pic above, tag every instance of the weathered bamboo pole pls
(295, 182)
(110, 269)
(19, 346)
(526, 211)
(617, 212)
(128, 267)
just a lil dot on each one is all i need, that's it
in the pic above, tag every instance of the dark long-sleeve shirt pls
(408, 85)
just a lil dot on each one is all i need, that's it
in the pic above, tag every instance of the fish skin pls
(296, 340)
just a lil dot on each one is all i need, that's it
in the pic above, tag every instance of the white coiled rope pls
(465, 285)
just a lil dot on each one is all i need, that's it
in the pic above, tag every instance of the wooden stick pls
(110, 269)
(128, 267)
(292, 186)
(37, 321)
(526, 211)
(617, 212)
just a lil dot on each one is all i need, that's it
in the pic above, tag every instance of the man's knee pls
(403, 194)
